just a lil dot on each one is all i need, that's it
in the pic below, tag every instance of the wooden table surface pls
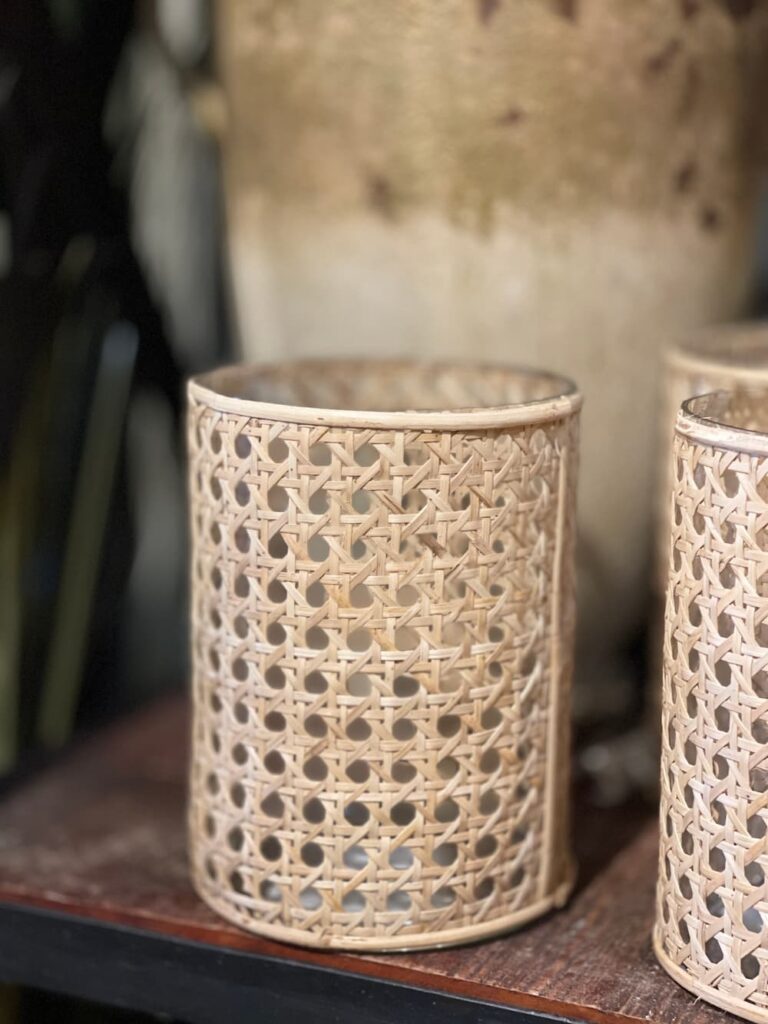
(96, 845)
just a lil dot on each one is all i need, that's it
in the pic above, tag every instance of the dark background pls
(93, 357)
(93, 362)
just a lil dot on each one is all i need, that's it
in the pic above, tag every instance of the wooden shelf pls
(95, 902)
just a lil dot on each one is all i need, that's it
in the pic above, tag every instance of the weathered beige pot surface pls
(563, 183)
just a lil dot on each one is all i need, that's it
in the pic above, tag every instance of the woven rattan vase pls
(382, 621)
(713, 359)
(712, 915)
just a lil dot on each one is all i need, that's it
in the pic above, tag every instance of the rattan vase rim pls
(222, 389)
(703, 419)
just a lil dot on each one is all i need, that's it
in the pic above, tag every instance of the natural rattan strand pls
(382, 619)
(712, 908)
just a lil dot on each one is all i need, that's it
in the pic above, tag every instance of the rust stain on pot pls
(486, 9)
(512, 116)
(381, 197)
(568, 9)
(738, 9)
(690, 91)
(709, 218)
(663, 58)
(685, 177)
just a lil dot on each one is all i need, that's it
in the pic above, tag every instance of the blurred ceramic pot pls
(562, 182)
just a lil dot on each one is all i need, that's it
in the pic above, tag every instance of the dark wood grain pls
(101, 837)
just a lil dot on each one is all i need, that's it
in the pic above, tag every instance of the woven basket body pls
(712, 913)
(718, 358)
(723, 357)
(382, 626)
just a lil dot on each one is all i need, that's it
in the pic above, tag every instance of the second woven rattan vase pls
(712, 913)
(716, 358)
(711, 359)
(382, 629)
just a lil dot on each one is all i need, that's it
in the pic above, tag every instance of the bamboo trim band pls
(564, 400)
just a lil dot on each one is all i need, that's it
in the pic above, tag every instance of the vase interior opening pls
(741, 409)
(381, 386)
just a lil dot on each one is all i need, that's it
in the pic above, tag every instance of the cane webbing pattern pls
(730, 356)
(382, 628)
(712, 907)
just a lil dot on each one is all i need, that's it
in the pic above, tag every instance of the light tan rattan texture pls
(382, 620)
(712, 907)
(728, 356)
